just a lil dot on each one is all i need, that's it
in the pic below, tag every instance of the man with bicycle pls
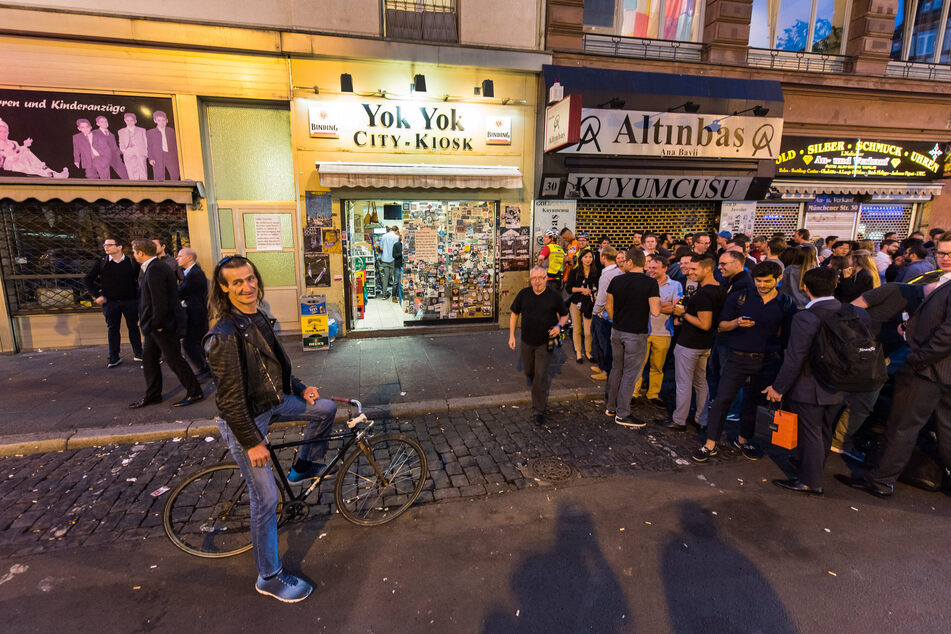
(255, 385)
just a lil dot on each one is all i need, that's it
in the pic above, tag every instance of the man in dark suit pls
(816, 406)
(91, 151)
(115, 162)
(923, 383)
(161, 318)
(162, 148)
(193, 291)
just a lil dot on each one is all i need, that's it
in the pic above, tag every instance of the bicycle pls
(209, 514)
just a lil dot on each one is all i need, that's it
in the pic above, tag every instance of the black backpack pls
(845, 356)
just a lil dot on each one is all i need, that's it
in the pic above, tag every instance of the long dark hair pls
(219, 303)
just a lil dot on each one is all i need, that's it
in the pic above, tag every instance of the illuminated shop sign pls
(409, 128)
(683, 135)
(656, 187)
(811, 157)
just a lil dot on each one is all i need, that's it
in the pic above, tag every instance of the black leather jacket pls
(251, 377)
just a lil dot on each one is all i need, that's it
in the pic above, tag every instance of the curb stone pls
(26, 444)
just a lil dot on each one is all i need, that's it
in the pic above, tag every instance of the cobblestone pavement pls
(103, 494)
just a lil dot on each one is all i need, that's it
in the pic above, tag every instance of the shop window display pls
(448, 270)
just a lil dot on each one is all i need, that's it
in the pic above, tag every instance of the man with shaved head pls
(193, 291)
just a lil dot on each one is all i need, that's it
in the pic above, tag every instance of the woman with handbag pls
(583, 284)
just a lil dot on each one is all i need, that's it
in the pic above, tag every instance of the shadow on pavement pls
(710, 586)
(568, 588)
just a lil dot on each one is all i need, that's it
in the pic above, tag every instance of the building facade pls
(288, 137)
(865, 92)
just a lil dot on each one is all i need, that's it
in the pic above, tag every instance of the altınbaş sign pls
(634, 132)
(860, 158)
(656, 187)
(563, 123)
(409, 128)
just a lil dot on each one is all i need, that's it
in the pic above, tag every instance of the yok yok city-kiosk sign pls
(811, 157)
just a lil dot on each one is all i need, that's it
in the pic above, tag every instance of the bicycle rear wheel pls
(209, 514)
(379, 480)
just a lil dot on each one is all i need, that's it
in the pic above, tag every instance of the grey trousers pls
(690, 368)
(387, 275)
(628, 351)
(535, 362)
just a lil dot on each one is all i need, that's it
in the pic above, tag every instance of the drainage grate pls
(551, 470)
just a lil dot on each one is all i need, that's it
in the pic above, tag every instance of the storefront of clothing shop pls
(853, 188)
(383, 145)
(101, 141)
(660, 152)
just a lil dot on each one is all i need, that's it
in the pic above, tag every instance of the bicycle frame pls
(353, 436)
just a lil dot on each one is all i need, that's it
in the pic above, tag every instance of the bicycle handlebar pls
(348, 401)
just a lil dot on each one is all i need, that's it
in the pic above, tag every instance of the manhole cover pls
(551, 470)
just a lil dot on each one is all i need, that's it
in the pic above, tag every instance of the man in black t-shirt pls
(632, 298)
(543, 315)
(112, 282)
(698, 316)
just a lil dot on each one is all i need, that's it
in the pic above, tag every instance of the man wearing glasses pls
(923, 383)
(112, 282)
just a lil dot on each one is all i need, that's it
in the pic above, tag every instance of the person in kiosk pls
(555, 257)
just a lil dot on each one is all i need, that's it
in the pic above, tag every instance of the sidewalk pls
(54, 400)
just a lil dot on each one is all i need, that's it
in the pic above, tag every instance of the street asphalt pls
(706, 549)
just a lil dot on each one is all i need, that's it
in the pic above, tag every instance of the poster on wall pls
(317, 269)
(552, 214)
(427, 244)
(512, 217)
(331, 241)
(86, 135)
(513, 249)
(318, 208)
(738, 217)
(267, 233)
(312, 240)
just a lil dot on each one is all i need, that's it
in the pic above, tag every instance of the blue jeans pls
(629, 350)
(262, 488)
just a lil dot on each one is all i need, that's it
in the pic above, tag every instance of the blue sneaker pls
(305, 474)
(284, 587)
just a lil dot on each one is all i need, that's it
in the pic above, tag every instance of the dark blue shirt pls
(771, 330)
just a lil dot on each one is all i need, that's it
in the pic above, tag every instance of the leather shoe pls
(188, 400)
(797, 486)
(878, 490)
(143, 402)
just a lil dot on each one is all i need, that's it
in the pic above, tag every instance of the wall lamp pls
(346, 82)
(758, 111)
(689, 106)
(419, 83)
(613, 103)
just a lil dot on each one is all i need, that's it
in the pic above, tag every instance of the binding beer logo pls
(498, 131)
(324, 122)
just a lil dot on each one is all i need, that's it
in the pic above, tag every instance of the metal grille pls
(773, 217)
(421, 20)
(877, 220)
(47, 248)
(619, 220)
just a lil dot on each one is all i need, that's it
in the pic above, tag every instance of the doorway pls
(448, 268)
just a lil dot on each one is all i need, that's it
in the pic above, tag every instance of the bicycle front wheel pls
(209, 514)
(379, 480)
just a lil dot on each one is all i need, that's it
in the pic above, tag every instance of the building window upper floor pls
(922, 32)
(680, 20)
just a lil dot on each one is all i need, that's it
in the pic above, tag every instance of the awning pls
(799, 190)
(425, 176)
(69, 189)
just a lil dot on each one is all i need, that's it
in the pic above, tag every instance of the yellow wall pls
(395, 78)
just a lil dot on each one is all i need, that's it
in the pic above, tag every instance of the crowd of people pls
(712, 328)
